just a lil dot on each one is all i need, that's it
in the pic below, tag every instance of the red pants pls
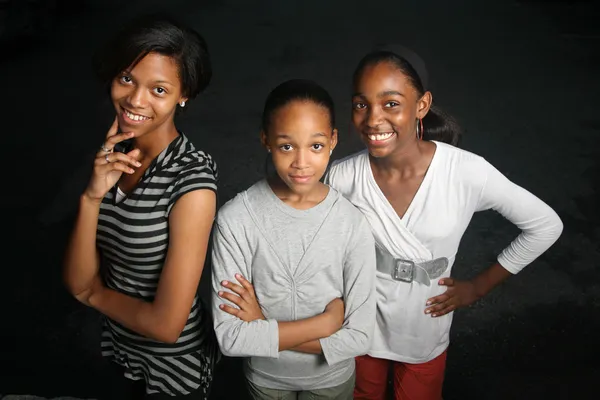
(411, 381)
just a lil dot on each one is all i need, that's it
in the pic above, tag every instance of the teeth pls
(381, 136)
(135, 117)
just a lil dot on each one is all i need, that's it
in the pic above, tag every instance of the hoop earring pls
(420, 130)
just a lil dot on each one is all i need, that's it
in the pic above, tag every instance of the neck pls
(153, 143)
(404, 159)
(294, 199)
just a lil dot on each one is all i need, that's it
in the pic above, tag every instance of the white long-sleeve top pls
(457, 184)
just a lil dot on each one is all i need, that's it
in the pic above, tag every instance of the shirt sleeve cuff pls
(507, 265)
(273, 338)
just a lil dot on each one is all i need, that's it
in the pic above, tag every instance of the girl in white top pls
(419, 194)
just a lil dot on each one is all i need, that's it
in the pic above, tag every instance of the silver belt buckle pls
(404, 270)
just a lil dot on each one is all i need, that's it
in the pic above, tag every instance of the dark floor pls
(521, 76)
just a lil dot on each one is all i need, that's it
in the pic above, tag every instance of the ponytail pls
(442, 127)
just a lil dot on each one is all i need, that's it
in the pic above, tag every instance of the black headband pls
(413, 58)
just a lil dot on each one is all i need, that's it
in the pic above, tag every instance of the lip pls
(130, 121)
(300, 178)
(378, 143)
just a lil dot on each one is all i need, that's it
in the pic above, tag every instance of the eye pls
(160, 90)
(318, 146)
(391, 104)
(126, 79)
(286, 147)
(359, 106)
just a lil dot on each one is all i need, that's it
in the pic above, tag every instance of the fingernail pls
(238, 276)
(220, 293)
(139, 164)
(434, 315)
(221, 306)
(428, 303)
(131, 171)
(427, 311)
(130, 134)
(224, 283)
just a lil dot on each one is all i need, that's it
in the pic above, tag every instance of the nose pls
(137, 97)
(300, 159)
(374, 117)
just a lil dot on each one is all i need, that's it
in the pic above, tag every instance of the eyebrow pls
(284, 136)
(382, 94)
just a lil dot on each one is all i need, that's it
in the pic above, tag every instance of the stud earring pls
(182, 104)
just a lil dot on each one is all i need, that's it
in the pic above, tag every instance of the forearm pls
(135, 314)
(312, 347)
(81, 259)
(489, 279)
(296, 333)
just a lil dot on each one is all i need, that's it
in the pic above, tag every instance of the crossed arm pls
(241, 328)
(342, 331)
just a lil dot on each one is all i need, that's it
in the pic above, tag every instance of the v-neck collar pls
(422, 187)
(177, 146)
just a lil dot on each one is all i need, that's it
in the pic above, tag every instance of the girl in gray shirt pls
(294, 261)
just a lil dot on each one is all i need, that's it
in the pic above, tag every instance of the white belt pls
(408, 271)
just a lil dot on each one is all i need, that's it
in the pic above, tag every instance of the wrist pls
(89, 200)
(480, 287)
(326, 325)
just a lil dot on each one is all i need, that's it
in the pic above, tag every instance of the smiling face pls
(386, 109)
(300, 139)
(145, 97)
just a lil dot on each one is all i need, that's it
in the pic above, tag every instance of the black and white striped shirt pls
(133, 237)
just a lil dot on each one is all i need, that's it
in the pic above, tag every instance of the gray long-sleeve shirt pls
(298, 261)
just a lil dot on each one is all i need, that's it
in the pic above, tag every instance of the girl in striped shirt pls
(140, 238)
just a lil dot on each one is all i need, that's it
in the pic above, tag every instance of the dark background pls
(520, 76)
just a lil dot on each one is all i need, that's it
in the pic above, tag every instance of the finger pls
(444, 311)
(234, 298)
(109, 144)
(117, 138)
(117, 157)
(114, 128)
(116, 166)
(135, 153)
(438, 299)
(230, 310)
(438, 307)
(235, 288)
(246, 284)
(446, 282)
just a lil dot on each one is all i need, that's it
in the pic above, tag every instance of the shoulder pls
(186, 157)
(348, 163)
(464, 166)
(344, 171)
(235, 211)
(349, 215)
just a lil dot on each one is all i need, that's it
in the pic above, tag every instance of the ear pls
(334, 138)
(264, 140)
(424, 104)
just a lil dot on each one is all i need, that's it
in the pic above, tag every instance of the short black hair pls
(297, 90)
(157, 34)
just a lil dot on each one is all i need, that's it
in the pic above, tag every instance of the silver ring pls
(106, 158)
(105, 149)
